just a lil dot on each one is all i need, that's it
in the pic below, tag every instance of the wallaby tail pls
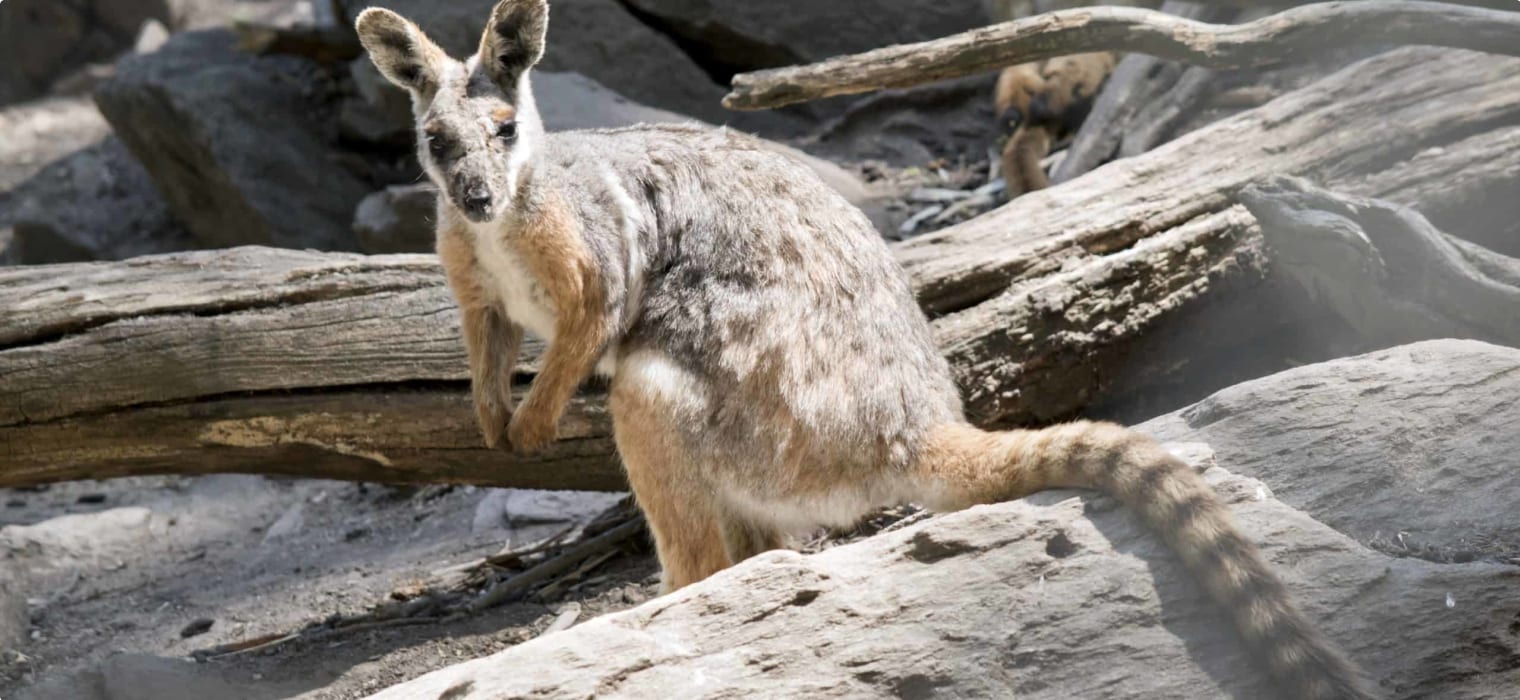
(965, 466)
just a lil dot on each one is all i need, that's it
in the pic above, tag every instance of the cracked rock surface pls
(1065, 595)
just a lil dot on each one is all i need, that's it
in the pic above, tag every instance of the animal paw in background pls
(1041, 104)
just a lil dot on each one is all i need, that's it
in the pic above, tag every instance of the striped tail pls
(964, 466)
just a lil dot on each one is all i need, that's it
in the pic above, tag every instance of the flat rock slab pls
(1413, 449)
(981, 603)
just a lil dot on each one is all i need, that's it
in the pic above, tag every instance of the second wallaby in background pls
(770, 371)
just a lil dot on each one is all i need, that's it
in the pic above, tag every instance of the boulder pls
(44, 40)
(96, 204)
(14, 619)
(982, 603)
(521, 517)
(397, 219)
(909, 127)
(738, 35)
(42, 131)
(49, 553)
(239, 145)
(1412, 449)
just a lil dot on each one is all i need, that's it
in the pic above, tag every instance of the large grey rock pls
(14, 619)
(45, 39)
(743, 35)
(1414, 449)
(596, 38)
(239, 145)
(42, 131)
(521, 517)
(96, 204)
(980, 604)
(134, 676)
(397, 219)
(903, 127)
(49, 553)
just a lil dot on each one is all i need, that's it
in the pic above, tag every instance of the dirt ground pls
(110, 595)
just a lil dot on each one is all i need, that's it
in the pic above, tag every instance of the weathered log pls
(1384, 268)
(1252, 326)
(1039, 298)
(350, 367)
(256, 360)
(1293, 32)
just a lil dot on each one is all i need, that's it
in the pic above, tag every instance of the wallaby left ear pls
(514, 39)
(401, 51)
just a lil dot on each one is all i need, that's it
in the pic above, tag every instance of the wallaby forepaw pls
(493, 422)
(529, 434)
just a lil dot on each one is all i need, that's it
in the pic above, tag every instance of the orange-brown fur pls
(1038, 105)
(491, 341)
(550, 244)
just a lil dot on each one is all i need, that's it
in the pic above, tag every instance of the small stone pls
(196, 627)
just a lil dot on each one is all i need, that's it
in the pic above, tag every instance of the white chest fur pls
(512, 284)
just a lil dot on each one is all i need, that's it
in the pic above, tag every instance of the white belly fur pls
(519, 294)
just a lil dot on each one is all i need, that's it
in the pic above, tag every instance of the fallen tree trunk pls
(343, 366)
(1293, 32)
(1037, 301)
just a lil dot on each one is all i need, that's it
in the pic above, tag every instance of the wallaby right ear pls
(514, 39)
(404, 55)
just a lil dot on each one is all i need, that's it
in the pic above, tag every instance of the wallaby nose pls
(478, 199)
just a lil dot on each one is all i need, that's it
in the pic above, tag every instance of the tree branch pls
(1291, 32)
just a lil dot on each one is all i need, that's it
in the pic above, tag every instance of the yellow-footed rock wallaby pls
(769, 369)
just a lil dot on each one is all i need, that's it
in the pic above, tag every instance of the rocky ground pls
(1381, 487)
(126, 579)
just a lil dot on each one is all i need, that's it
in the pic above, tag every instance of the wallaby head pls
(477, 126)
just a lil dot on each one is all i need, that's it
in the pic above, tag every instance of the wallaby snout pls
(475, 202)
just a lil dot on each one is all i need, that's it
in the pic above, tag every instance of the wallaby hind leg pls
(744, 538)
(677, 501)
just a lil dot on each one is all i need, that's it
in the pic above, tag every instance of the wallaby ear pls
(404, 55)
(514, 39)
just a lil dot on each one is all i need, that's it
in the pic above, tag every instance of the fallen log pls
(1253, 326)
(345, 366)
(1293, 32)
(1037, 302)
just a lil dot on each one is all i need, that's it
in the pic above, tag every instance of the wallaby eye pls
(437, 146)
(507, 131)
